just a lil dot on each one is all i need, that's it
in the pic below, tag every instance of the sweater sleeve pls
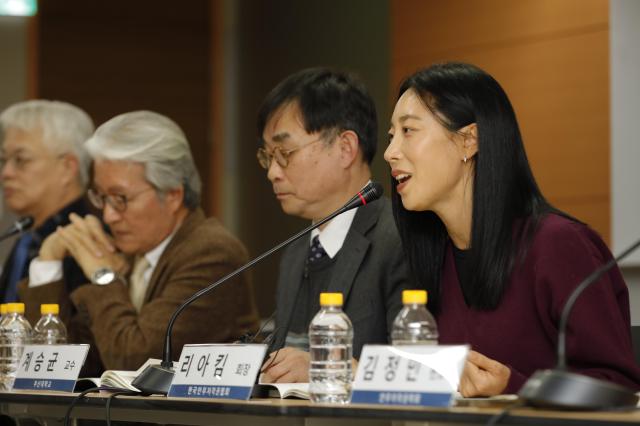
(598, 340)
(516, 381)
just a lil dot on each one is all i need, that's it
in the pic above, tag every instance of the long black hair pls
(507, 203)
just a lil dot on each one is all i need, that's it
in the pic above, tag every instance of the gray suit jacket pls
(370, 272)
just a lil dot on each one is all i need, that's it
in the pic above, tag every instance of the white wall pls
(625, 140)
(632, 277)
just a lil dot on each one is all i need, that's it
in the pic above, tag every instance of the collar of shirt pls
(333, 235)
(153, 256)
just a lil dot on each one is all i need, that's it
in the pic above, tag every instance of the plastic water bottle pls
(3, 317)
(414, 324)
(49, 330)
(330, 349)
(15, 332)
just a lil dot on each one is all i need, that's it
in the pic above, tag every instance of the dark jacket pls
(73, 276)
(370, 272)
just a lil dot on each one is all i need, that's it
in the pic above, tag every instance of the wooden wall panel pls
(552, 59)
(428, 26)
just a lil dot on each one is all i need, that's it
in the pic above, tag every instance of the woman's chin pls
(409, 205)
(414, 205)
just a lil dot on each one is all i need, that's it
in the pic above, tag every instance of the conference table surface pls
(50, 408)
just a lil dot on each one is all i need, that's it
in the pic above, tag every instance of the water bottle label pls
(217, 371)
(426, 375)
(50, 367)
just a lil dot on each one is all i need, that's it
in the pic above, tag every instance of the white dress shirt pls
(334, 233)
(45, 271)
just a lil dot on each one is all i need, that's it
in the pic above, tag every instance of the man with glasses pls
(318, 134)
(44, 172)
(161, 250)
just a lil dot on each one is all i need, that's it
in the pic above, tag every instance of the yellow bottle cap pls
(49, 308)
(15, 308)
(330, 299)
(3, 309)
(414, 296)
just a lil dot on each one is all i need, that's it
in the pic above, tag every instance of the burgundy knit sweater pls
(522, 331)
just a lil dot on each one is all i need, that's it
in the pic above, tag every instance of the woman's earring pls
(464, 160)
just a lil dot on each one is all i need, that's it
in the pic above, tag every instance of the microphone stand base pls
(559, 389)
(155, 379)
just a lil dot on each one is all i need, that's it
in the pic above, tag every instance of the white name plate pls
(426, 375)
(217, 371)
(50, 367)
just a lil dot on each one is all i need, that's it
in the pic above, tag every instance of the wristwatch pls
(104, 276)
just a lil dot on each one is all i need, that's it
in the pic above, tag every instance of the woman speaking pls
(497, 259)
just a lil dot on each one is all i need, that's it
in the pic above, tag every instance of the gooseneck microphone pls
(156, 379)
(18, 226)
(558, 388)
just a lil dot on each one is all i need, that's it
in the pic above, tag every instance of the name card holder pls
(50, 367)
(217, 371)
(421, 375)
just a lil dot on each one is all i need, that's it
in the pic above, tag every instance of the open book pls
(115, 378)
(489, 401)
(281, 390)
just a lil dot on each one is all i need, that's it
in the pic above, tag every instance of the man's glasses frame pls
(118, 202)
(279, 154)
(21, 161)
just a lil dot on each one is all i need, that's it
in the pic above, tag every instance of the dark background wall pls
(115, 56)
(208, 65)
(14, 41)
(274, 39)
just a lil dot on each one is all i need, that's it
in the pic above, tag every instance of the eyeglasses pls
(117, 201)
(281, 155)
(19, 161)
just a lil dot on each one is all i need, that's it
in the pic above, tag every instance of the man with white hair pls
(161, 250)
(44, 174)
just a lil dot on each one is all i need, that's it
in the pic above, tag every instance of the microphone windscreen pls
(371, 192)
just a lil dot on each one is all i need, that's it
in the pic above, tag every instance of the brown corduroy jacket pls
(200, 252)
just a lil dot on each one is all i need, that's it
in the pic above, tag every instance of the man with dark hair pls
(318, 130)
